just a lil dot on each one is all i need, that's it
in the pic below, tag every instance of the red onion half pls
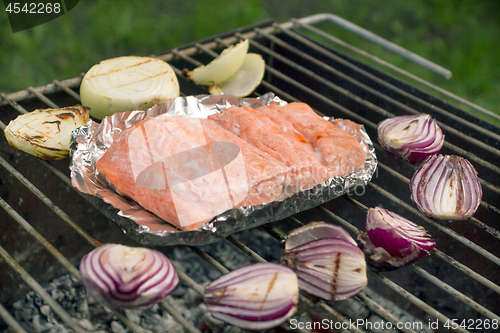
(127, 277)
(327, 267)
(446, 187)
(392, 241)
(412, 137)
(255, 297)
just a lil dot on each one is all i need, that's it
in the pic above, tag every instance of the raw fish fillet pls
(187, 170)
(338, 150)
(305, 170)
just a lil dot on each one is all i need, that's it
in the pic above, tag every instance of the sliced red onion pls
(412, 137)
(316, 230)
(127, 277)
(255, 297)
(446, 187)
(392, 241)
(327, 267)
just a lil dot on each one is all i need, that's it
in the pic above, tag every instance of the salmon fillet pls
(305, 170)
(339, 151)
(187, 170)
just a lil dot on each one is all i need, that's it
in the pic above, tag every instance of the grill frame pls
(348, 105)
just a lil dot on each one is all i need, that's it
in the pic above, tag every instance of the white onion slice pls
(46, 133)
(127, 84)
(446, 187)
(412, 137)
(245, 80)
(221, 68)
(127, 277)
(255, 297)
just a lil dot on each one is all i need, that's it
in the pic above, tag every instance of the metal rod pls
(245, 249)
(40, 291)
(177, 316)
(67, 90)
(9, 320)
(365, 102)
(49, 203)
(13, 103)
(416, 301)
(52, 250)
(374, 306)
(189, 282)
(46, 89)
(210, 260)
(384, 83)
(479, 278)
(492, 231)
(396, 69)
(464, 269)
(388, 282)
(442, 228)
(43, 98)
(351, 114)
(455, 293)
(377, 40)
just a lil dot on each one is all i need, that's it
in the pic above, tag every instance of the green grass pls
(460, 35)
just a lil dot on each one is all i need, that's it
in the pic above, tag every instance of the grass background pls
(460, 35)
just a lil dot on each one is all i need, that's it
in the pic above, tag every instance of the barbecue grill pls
(46, 226)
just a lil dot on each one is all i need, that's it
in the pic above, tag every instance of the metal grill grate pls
(458, 281)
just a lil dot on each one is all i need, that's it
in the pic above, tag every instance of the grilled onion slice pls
(245, 80)
(46, 133)
(127, 84)
(221, 68)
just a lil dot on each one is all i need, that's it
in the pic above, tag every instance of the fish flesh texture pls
(336, 149)
(188, 170)
(290, 147)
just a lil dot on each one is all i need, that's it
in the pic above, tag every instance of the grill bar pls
(436, 252)
(377, 80)
(303, 24)
(9, 320)
(49, 203)
(380, 41)
(366, 103)
(212, 259)
(479, 308)
(272, 83)
(42, 97)
(363, 102)
(415, 300)
(40, 291)
(402, 292)
(383, 312)
(371, 304)
(399, 290)
(422, 273)
(490, 230)
(67, 90)
(56, 254)
(447, 230)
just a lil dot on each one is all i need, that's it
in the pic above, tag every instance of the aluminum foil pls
(91, 141)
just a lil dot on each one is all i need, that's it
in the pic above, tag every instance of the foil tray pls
(91, 141)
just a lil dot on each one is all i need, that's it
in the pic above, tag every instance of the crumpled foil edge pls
(90, 142)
